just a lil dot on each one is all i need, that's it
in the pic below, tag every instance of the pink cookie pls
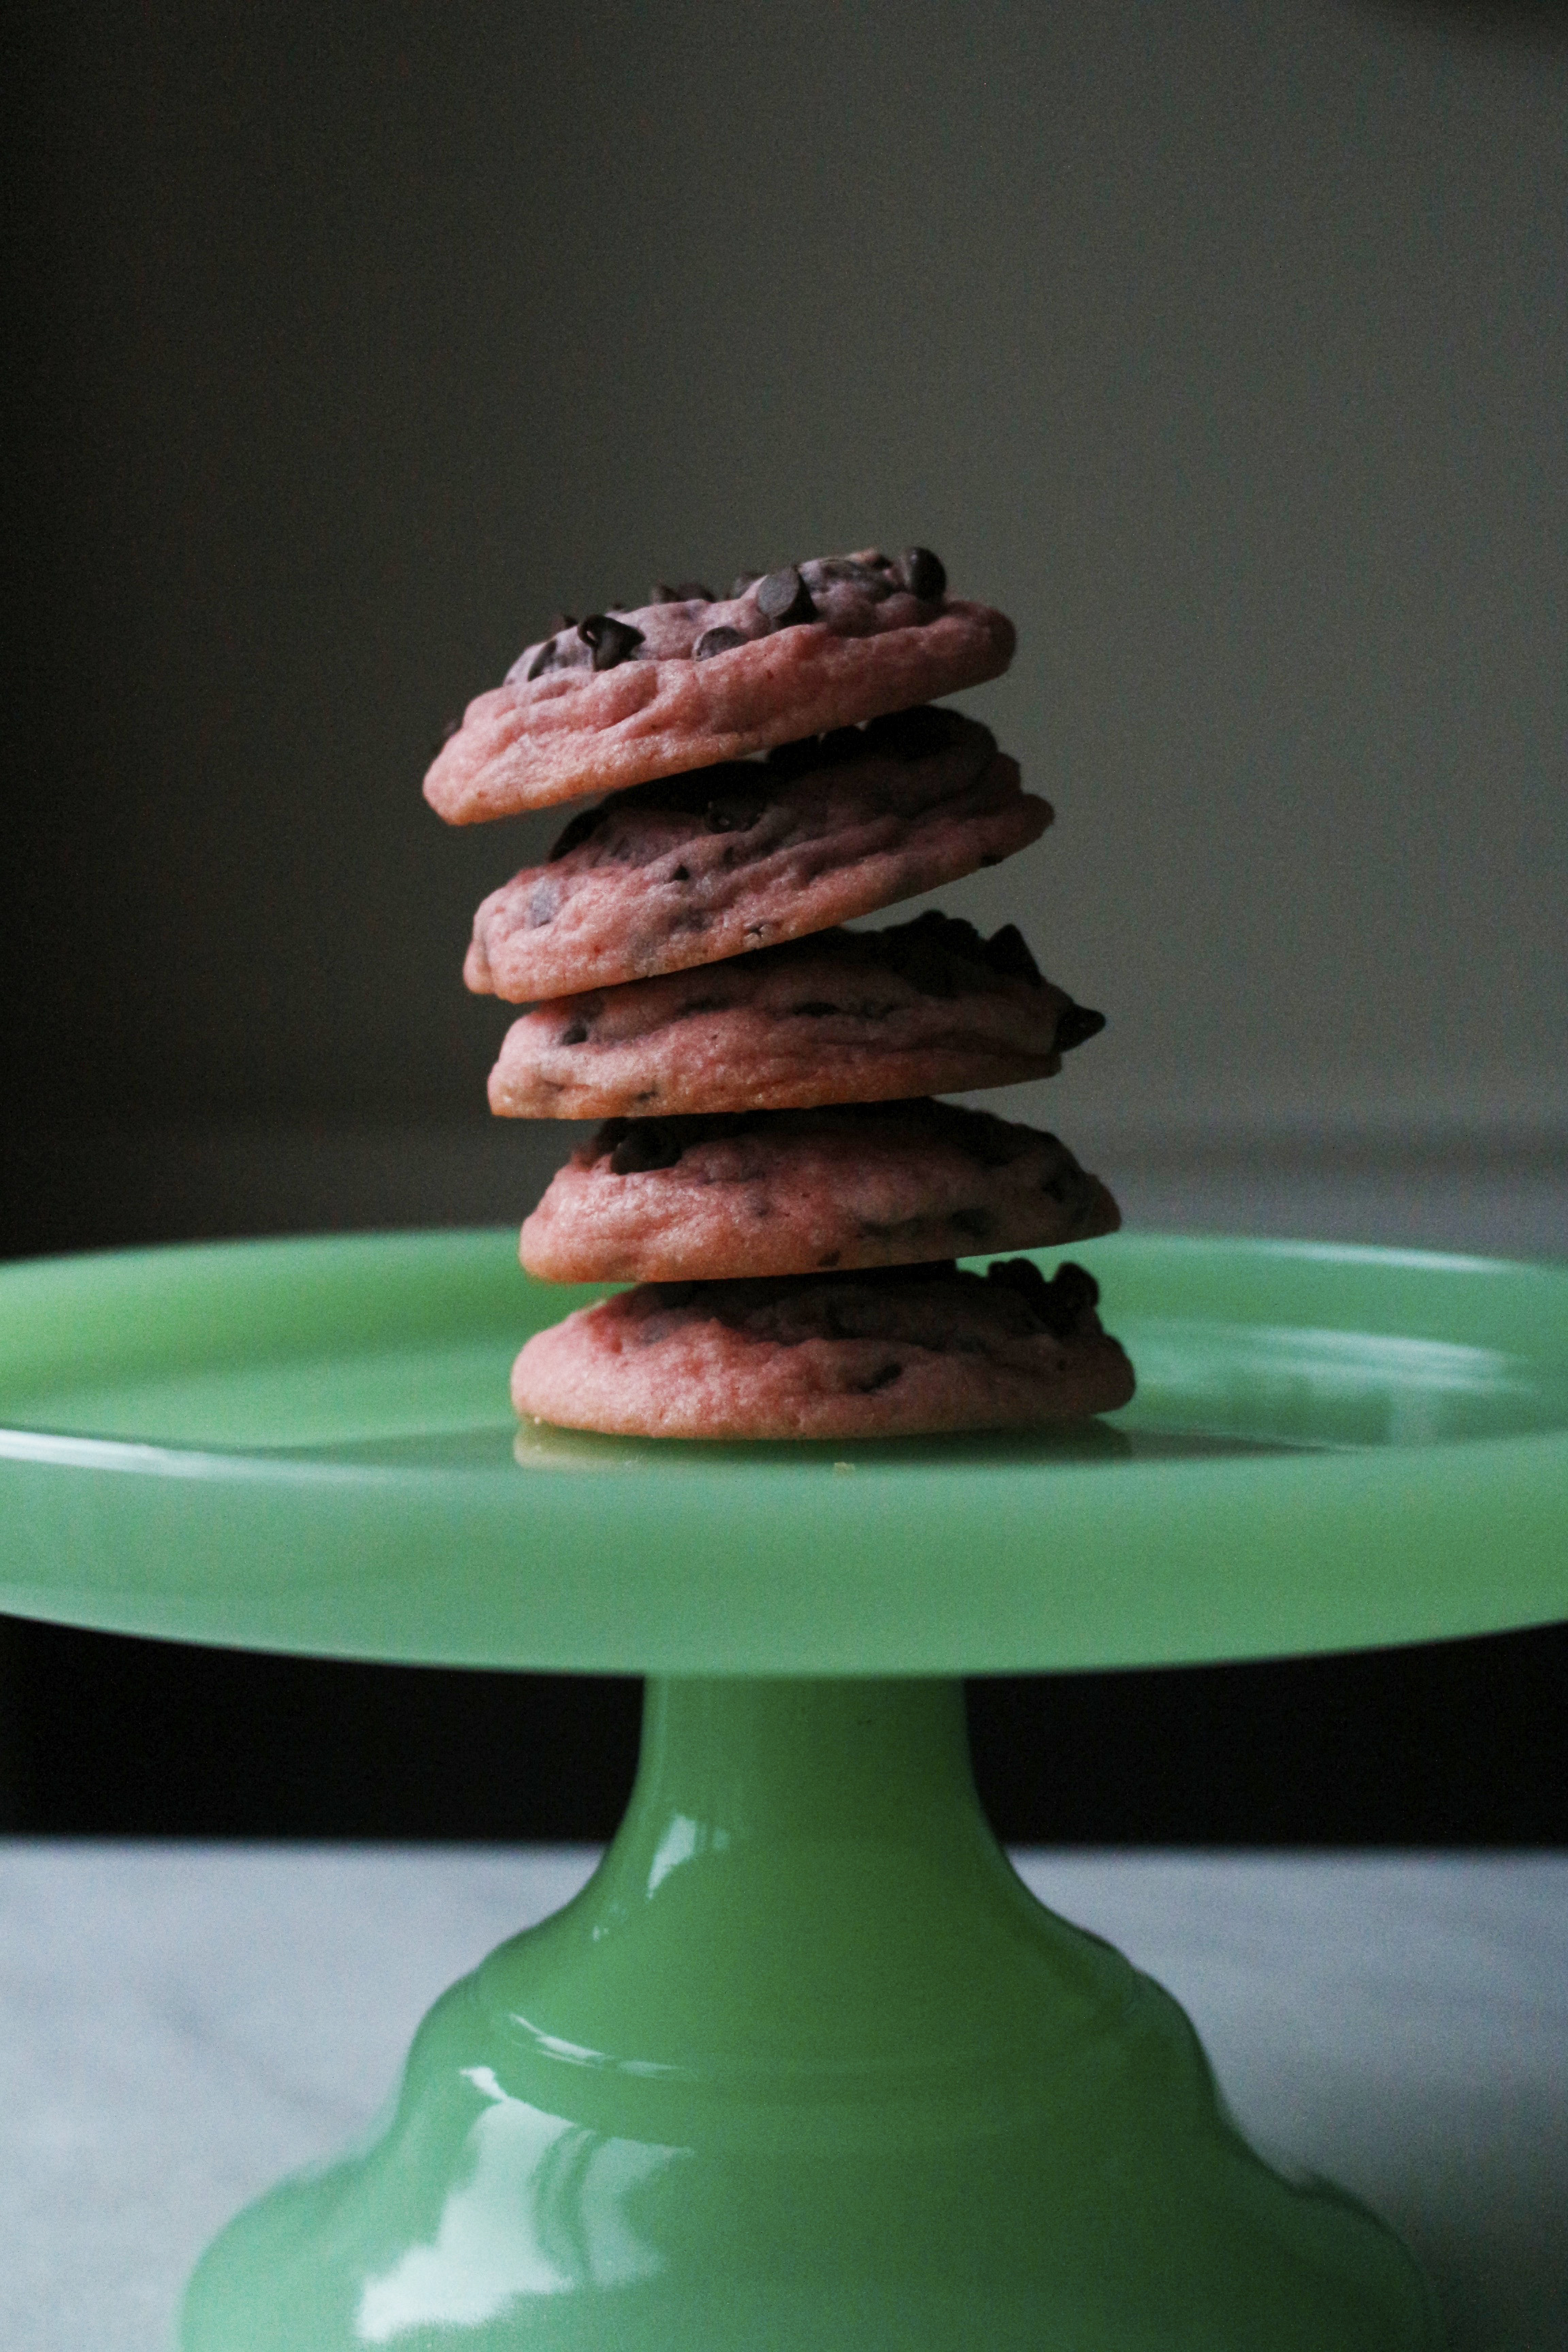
(912, 1352)
(925, 1007)
(691, 869)
(689, 681)
(800, 1192)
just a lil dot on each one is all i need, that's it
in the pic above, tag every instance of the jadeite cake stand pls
(804, 2068)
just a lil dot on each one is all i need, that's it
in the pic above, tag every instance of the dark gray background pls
(1224, 345)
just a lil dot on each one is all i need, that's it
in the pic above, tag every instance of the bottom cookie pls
(905, 1351)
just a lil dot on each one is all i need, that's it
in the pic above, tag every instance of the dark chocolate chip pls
(681, 874)
(1077, 1023)
(613, 642)
(1057, 1305)
(561, 623)
(646, 1143)
(1023, 1275)
(784, 599)
(923, 574)
(720, 640)
(925, 953)
(543, 660)
(685, 795)
(883, 1377)
(1007, 952)
(743, 580)
(1071, 1296)
(795, 758)
(672, 1294)
(826, 569)
(915, 734)
(582, 828)
(987, 1140)
(734, 811)
(575, 1034)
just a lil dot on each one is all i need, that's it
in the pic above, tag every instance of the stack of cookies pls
(771, 1170)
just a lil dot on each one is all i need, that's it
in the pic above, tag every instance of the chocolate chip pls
(720, 640)
(681, 874)
(915, 734)
(883, 1377)
(672, 1294)
(1007, 952)
(984, 1139)
(924, 953)
(645, 1143)
(784, 599)
(1057, 1305)
(561, 623)
(795, 758)
(582, 828)
(1023, 1275)
(1075, 1023)
(923, 574)
(544, 904)
(613, 642)
(575, 1034)
(743, 580)
(543, 660)
(824, 571)
(1071, 1294)
(735, 812)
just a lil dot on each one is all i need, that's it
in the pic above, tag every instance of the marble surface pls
(179, 2025)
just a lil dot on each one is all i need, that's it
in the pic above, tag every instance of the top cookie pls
(689, 679)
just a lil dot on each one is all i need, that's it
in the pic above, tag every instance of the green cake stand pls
(804, 2068)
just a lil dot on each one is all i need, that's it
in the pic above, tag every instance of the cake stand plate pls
(803, 2067)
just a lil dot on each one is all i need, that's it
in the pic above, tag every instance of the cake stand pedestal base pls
(806, 2068)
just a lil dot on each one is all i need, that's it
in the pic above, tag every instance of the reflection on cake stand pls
(804, 2065)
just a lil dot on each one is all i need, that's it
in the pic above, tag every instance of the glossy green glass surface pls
(307, 1445)
(806, 2068)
